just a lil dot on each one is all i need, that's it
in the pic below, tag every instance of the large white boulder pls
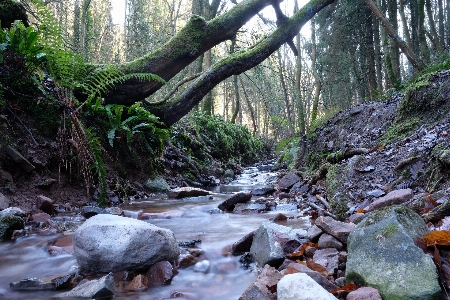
(299, 286)
(108, 243)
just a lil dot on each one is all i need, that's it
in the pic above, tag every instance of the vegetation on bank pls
(38, 84)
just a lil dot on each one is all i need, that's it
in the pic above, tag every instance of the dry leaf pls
(437, 237)
(316, 267)
(349, 287)
(272, 289)
(302, 249)
(361, 211)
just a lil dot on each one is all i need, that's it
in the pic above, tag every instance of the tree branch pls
(236, 64)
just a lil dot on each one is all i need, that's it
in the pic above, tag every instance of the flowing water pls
(188, 218)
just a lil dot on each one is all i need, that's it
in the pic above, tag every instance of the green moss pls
(332, 180)
(335, 157)
(389, 231)
(339, 207)
(356, 278)
(399, 130)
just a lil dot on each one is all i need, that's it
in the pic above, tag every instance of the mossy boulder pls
(157, 184)
(10, 220)
(382, 254)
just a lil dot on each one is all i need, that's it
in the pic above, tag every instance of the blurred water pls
(188, 218)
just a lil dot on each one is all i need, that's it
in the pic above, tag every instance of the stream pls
(189, 218)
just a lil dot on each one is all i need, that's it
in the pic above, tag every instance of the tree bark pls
(195, 39)
(395, 53)
(371, 74)
(441, 27)
(432, 25)
(401, 44)
(317, 83)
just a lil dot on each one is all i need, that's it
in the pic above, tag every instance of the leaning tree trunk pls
(195, 39)
(401, 44)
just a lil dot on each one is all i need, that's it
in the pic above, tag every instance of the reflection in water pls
(188, 218)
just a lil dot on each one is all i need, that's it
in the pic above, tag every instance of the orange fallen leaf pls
(302, 249)
(316, 267)
(437, 237)
(361, 211)
(349, 287)
(272, 289)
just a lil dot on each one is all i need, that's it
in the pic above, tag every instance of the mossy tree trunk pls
(194, 39)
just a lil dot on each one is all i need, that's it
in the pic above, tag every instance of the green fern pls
(98, 166)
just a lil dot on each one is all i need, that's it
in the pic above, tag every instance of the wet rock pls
(314, 232)
(394, 197)
(299, 268)
(160, 273)
(182, 192)
(246, 260)
(339, 230)
(229, 204)
(300, 188)
(18, 233)
(244, 208)
(279, 218)
(243, 245)
(376, 193)
(41, 217)
(382, 254)
(202, 266)
(267, 246)
(19, 159)
(106, 243)
(45, 204)
(34, 284)
(309, 251)
(356, 218)
(4, 202)
(364, 293)
(329, 258)
(288, 180)
(300, 286)
(327, 241)
(90, 211)
(263, 191)
(93, 289)
(139, 282)
(158, 184)
(62, 245)
(228, 176)
(186, 261)
(340, 282)
(10, 220)
(259, 289)
(286, 207)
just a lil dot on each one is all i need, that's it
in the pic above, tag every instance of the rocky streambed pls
(250, 239)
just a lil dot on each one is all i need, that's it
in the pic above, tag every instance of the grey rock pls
(327, 241)
(267, 246)
(394, 197)
(288, 180)
(160, 273)
(93, 289)
(158, 184)
(286, 207)
(356, 218)
(324, 282)
(182, 192)
(4, 202)
(364, 293)
(339, 230)
(228, 175)
(108, 243)
(259, 289)
(202, 266)
(376, 193)
(249, 208)
(243, 245)
(229, 204)
(263, 191)
(382, 254)
(300, 286)
(19, 159)
(90, 211)
(314, 232)
(10, 220)
(328, 257)
(34, 284)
